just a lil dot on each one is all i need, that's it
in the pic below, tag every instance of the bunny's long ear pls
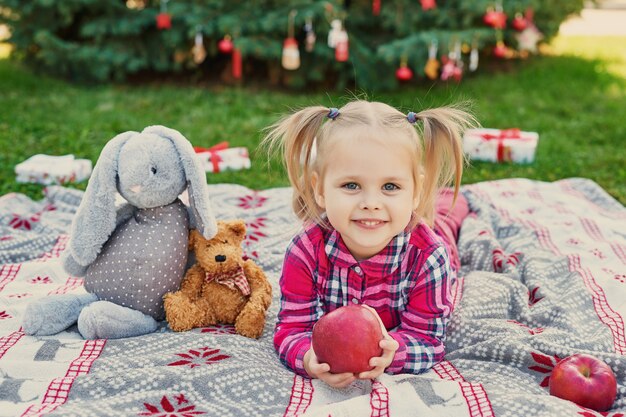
(95, 218)
(204, 219)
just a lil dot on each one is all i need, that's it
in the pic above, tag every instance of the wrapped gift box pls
(220, 157)
(495, 145)
(48, 169)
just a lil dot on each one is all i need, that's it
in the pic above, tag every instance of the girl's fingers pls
(338, 380)
(389, 344)
(320, 368)
(371, 374)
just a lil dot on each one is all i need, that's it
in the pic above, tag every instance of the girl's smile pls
(369, 223)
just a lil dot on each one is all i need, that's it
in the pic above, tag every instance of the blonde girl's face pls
(368, 192)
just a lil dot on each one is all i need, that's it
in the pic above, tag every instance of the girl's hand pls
(389, 346)
(322, 371)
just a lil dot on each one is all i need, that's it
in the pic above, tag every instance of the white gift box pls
(48, 169)
(221, 159)
(495, 145)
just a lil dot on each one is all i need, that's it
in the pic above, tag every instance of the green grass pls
(575, 97)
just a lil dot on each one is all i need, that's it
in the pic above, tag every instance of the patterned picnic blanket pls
(543, 277)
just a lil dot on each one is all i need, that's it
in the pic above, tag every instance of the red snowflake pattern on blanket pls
(26, 223)
(40, 280)
(19, 222)
(167, 409)
(546, 363)
(533, 298)
(5, 315)
(253, 235)
(501, 259)
(219, 329)
(251, 201)
(199, 357)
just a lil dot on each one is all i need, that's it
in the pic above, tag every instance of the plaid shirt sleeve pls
(423, 324)
(299, 307)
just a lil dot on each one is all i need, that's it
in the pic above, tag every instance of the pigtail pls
(295, 136)
(442, 130)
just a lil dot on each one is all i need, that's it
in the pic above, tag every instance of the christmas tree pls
(373, 44)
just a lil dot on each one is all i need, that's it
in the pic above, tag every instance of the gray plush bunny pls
(131, 255)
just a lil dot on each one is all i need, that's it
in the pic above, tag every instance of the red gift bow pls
(213, 153)
(503, 153)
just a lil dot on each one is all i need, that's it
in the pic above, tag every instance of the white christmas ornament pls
(335, 33)
(528, 38)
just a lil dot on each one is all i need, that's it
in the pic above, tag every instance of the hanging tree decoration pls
(453, 64)
(428, 4)
(237, 65)
(473, 57)
(163, 19)
(457, 74)
(431, 69)
(198, 51)
(225, 45)
(528, 38)
(334, 33)
(501, 50)
(309, 37)
(519, 22)
(291, 54)
(404, 73)
(495, 17)
(341, 47)
(376, 7)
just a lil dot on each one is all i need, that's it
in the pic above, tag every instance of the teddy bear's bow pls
(235, 280)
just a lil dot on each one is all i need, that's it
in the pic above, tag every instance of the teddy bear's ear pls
(237, 228)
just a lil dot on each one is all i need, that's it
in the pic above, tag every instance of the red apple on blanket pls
(347, 338)
(585, 380)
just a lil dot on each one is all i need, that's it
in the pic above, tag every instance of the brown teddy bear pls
(220, 287)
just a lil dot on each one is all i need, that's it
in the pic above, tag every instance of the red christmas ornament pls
(236, 63)
(519, 22)
(225, 45)
(404, 73)
(164, 21)
(500, 51)
(428, 4)
(495, 19)
(376, 7)
(341, 52)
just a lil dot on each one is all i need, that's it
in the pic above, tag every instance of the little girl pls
(366, 185)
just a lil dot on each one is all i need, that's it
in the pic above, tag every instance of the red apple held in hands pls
(347, 338)
(585, 380)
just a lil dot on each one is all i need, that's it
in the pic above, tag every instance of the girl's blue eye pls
(390, 187)
(351, 186)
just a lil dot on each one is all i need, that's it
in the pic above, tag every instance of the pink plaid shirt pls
(408, 283)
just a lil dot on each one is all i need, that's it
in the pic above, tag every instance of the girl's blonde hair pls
(433, 136)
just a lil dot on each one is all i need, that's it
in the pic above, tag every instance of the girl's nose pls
(370, 201)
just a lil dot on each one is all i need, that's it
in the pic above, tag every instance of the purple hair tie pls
(411, 117)
(333, 113)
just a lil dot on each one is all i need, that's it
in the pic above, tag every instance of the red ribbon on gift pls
(504, 153)
(213, 153)
(514, 133)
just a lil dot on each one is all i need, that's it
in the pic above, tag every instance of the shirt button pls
(355, 300)
(357, 269)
